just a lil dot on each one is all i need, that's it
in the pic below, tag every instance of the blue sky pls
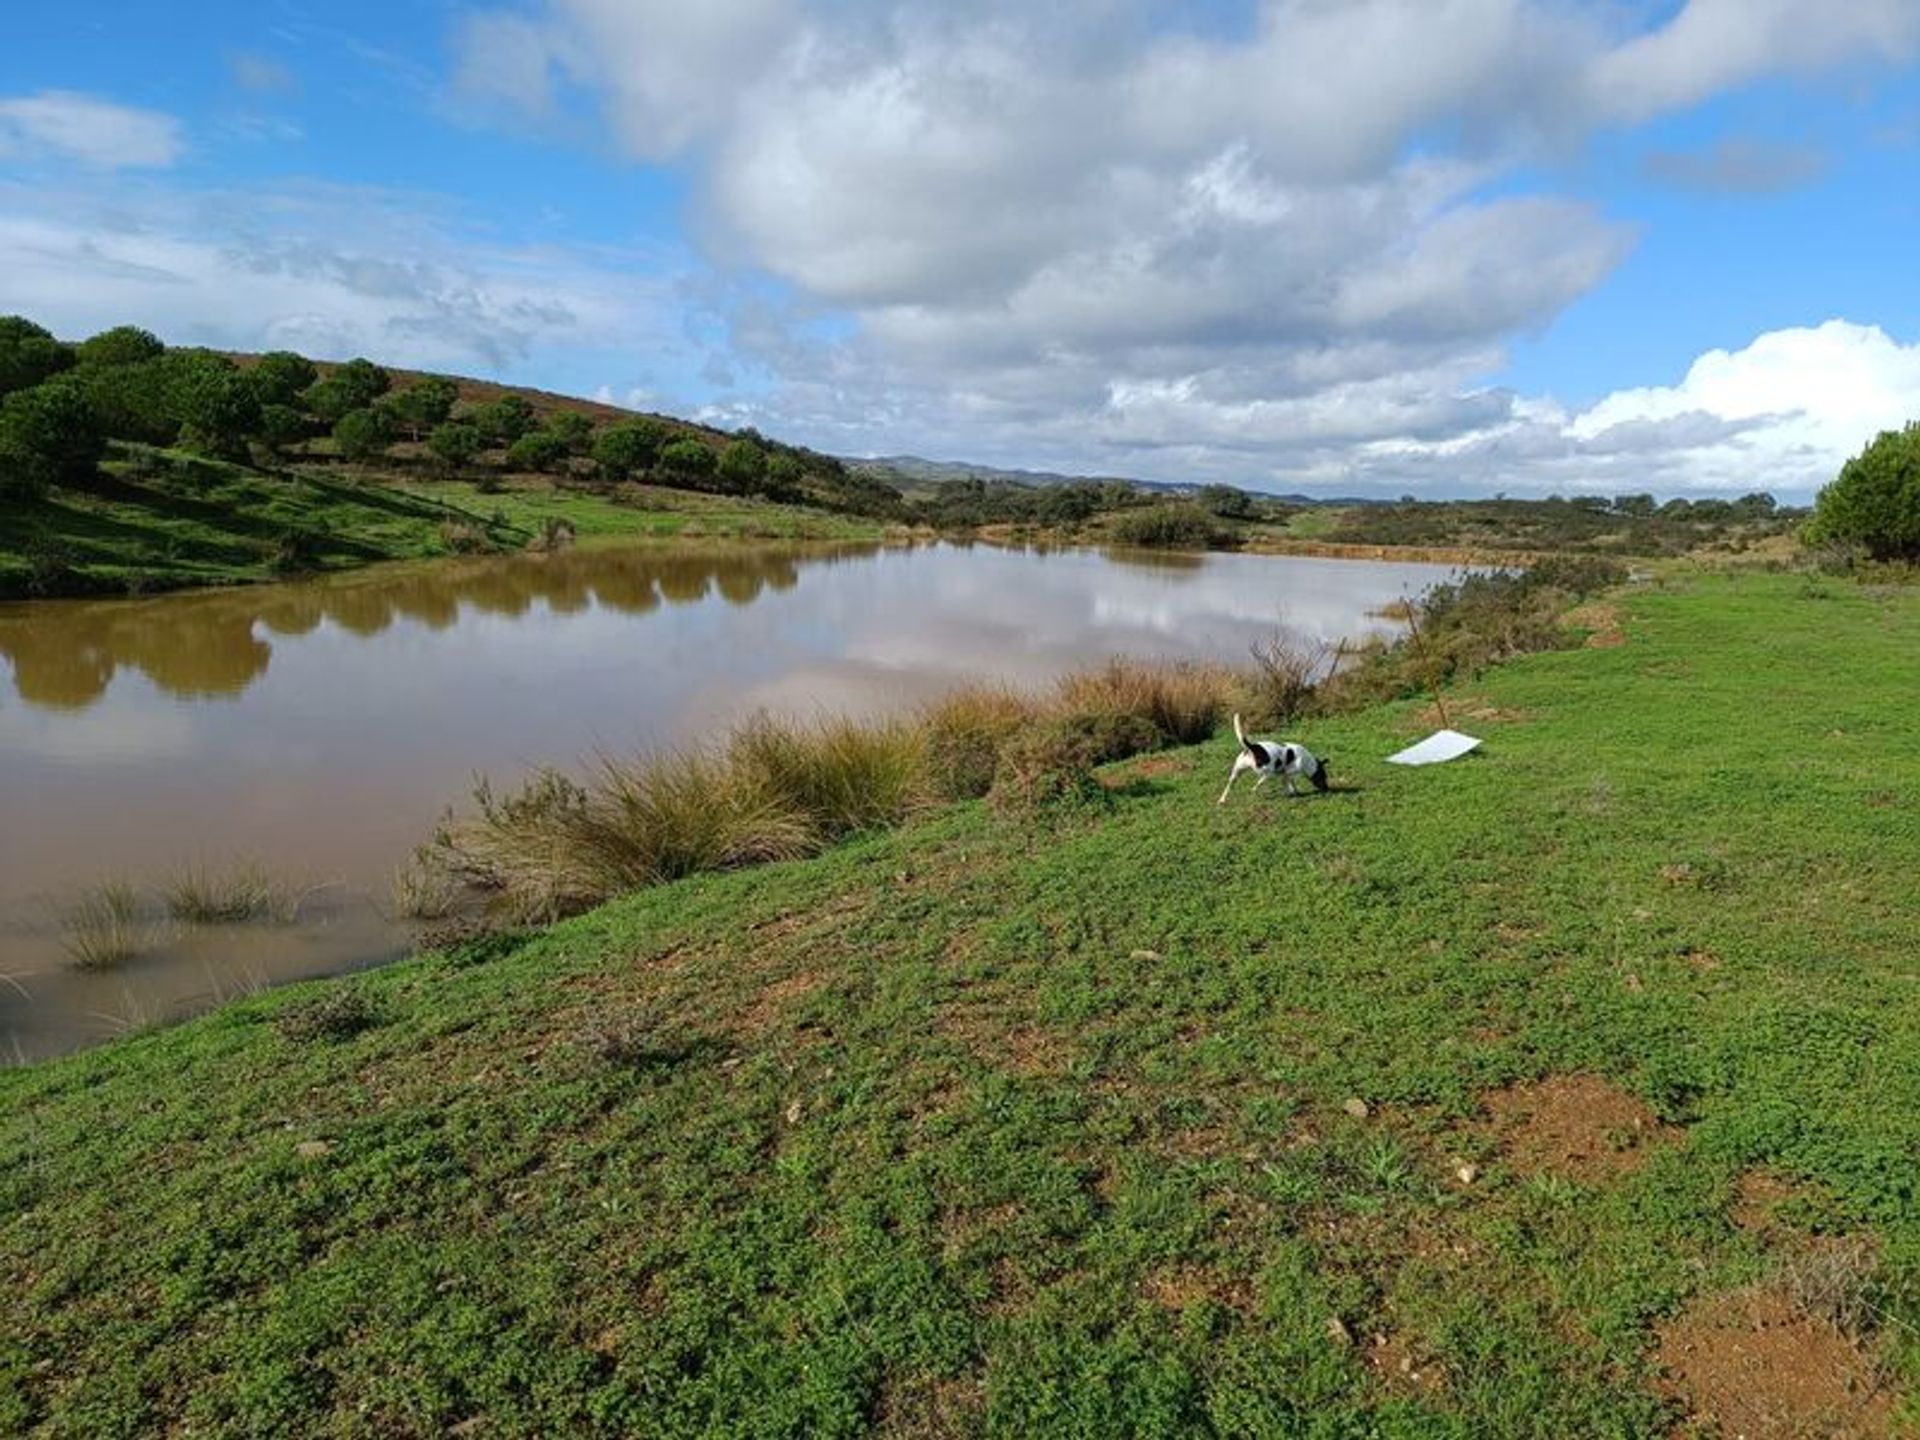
(1445, 246)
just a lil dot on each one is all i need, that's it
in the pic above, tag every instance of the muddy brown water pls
(319, 729)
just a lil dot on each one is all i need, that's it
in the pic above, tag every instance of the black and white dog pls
(1274, 757)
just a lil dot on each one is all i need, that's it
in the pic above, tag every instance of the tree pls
(571, 429)
(1875, 500)
(281, 426)
(122, 345)
(621, 450)
(216, 407)
(361, 434)
(542, 450)
(1636, 506)
(688, 461)
(742, 467)
(454, 445)
(48, 435)
(280, 375)
(423, 405)
(1227, 501)
(504, 420)
(28, 354)
(784, 474)
(352, 386)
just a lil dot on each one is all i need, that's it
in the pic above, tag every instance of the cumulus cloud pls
(330, 271)
(63, 125)
(1283, 249)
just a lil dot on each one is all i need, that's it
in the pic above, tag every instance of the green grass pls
(651, 512)
(1042, 1128)
(182, 521)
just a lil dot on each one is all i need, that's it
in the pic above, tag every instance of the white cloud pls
(329, 271)
(64, 125)
(1713, 45)
(1737, 166)
(1084, 237)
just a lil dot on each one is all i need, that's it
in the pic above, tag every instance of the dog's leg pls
(1292, 793)
(1239, 764)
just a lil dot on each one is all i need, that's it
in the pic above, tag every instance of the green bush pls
(1875, 501)
(49, 435)
(28, 354)
(742, 468)
(629, 448)
(503, 421)
(542, 450)
(453, 445)
(1178, 526)
(361, 434)
(688, 462)
(122, 345)
(1051, 762)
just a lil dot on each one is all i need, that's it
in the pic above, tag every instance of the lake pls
(320, 728)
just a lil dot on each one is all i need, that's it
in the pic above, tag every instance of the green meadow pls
(1514, 1097)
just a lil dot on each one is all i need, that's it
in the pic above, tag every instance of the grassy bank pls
(1506, 1098)
(179, 520)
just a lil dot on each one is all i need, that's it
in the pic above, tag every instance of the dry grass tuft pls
(204, 897)
(1184, 703)
(106, 927)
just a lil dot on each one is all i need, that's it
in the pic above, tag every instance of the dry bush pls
(1184, 702)
(842, 776)
(1281, 684)
(1050, 762)
(962, 735)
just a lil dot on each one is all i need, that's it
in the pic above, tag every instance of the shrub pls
(423, 405)
(28, 354)
(629, 448)
(279, 377)
(48, 435)
(962, 735)
(840, 775)
(540, 451)
(1281, 684)
(504, 420)
(688, 462)
(1050, 762)
(339, 1013)
(453, 445)
(1875, 500)
(742, 467)
(573, 430)
(361, 435)
(1184, 703)
(1179, 526)
(122, 345)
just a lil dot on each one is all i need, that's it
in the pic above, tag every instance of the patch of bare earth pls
(1179, 1287)
(1601, 620)
(1753, 1364)
(929, 1407)
(1577, 1126)
(1400, 1365)
(773, 1002)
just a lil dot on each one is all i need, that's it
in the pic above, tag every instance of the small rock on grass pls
(1356, 1107)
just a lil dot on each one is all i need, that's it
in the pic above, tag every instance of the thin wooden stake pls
(1426, 657)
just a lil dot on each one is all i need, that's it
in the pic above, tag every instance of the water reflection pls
(64, 655)
(320, 729)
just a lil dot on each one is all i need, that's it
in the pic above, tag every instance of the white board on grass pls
(1440, 746)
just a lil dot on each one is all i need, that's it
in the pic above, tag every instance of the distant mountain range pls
(909, 470)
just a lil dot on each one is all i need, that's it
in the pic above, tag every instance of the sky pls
(1430, 247)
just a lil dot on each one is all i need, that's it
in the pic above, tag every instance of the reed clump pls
(200, 896)
(106, 927)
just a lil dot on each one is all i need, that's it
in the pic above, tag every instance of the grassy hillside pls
(1568, 1090)
(177, 519)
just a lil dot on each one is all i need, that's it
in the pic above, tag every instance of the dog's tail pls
(1241, 735)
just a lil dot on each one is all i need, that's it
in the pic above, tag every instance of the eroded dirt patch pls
(1400, 1365)
(1601, 620)
(1577, 1126)
(1753, 1364)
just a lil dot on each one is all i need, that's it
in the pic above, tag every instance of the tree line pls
(63, 405)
